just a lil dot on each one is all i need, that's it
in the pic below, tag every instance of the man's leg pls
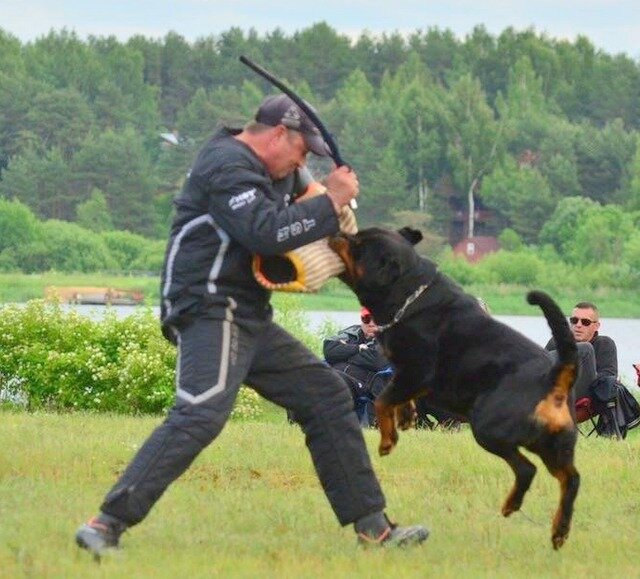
(288, 374)
(207, 378)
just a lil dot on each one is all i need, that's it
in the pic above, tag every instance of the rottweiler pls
(446, 347)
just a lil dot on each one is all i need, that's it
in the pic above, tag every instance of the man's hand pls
(363, 347)
(342, 186)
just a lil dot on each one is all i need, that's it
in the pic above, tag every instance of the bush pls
(151, 257)
(62, 360)
(18, 225)
(65, 247)
(125, 247)
(460, 270)
(511, 267)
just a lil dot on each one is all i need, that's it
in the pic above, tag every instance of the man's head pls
(369, 327)
(281, 110)
(282, 135)
(585, 321)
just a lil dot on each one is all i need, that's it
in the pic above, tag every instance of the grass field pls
(251, 506)
(335, 296)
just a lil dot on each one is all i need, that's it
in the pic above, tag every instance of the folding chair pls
(601, 417)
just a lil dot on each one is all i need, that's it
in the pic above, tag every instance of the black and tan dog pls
(444, 346)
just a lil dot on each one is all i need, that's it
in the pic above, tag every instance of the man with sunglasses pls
(598, 353)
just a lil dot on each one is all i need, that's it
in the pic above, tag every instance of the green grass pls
(16, 287)
(334, 296)
(251, 506)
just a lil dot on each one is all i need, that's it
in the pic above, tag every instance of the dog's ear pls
(413, 236)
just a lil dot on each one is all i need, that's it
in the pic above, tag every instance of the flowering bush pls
(56, 359)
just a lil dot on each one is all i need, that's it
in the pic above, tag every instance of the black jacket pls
(344, 349)
(606, 354)
(228, 210)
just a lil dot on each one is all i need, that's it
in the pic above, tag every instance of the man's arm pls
(244, 204)
(606, 356)
(340, 348)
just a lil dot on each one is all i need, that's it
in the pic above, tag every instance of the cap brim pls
(317, 145)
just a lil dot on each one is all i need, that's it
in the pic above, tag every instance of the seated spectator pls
(636, 367)
(357, 355)
(598, 365)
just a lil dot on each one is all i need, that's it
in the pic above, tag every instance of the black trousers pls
(215, 357)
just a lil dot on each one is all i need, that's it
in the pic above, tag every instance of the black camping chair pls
(611, 409)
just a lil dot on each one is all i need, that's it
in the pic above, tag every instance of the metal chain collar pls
(412, 298)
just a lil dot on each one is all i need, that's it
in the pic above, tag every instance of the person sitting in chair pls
(357, 355)
(598, 366)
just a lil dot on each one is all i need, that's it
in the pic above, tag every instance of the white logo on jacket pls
(242, 199)
(295, 229)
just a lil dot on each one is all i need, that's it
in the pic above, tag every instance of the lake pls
(625, 332)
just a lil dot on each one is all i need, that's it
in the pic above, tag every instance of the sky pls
(611, 25)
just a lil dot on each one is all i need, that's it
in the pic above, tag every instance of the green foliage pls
(600, 236)
(510, 240)
(559, 229)
(150, 257)
(93, 214)
(521, 267)
(62, 360)
(125, 247)
(59, 359)
(118, 165)
(460, 269)
(65, 247)
(18, 224)
(425, 119)
(603, 156)
(631, 258)
(521, 195)
(40, 181)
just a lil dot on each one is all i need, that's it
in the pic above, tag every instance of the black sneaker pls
(97, 537)
(395, 536)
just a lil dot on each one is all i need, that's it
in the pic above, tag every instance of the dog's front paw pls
(387, 443)
(387, 425)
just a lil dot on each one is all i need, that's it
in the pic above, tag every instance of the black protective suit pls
(221, 321)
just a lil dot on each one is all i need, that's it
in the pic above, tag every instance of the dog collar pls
(412, 298)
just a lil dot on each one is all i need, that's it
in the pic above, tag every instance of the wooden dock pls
(102, 296)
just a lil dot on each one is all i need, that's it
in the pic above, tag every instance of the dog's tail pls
(565, 342)
(553, 409)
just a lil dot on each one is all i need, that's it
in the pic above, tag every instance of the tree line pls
(518, 135)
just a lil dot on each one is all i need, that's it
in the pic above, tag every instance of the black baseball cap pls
(281, 110)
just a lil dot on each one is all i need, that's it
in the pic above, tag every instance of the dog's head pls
(375, 258)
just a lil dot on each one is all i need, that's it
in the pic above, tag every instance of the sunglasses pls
(366, 319)
(586, 322)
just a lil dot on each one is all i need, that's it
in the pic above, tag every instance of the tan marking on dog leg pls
(387, 425)
(553, 410)
(406, 415)
(562, 518)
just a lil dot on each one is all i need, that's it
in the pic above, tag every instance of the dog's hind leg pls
(524, 471)
(569, 480)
